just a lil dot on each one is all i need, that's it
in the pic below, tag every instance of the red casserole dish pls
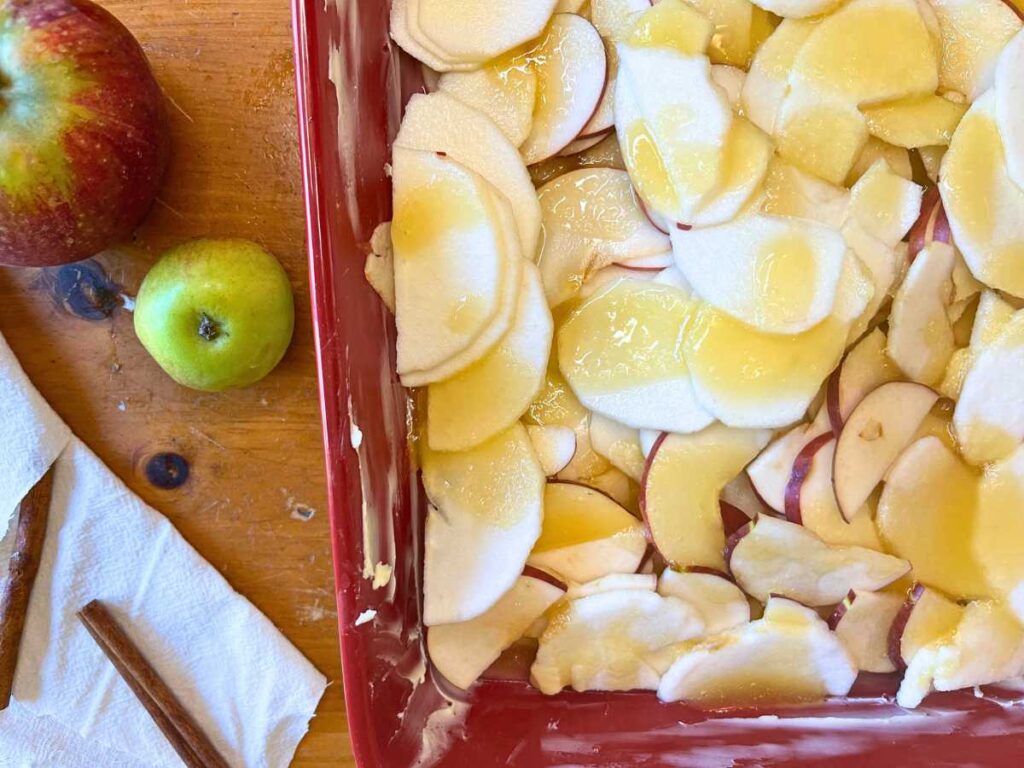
(352, 85)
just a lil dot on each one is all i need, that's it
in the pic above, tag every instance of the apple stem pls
(209, 329)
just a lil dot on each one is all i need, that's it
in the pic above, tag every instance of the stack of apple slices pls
(718, 308)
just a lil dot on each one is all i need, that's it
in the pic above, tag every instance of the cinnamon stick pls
(176, 724)
(33, 514)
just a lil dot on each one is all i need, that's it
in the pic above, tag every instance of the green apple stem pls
(209, 328)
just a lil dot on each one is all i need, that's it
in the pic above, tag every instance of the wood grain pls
(255, 455)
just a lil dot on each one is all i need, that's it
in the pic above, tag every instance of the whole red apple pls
(83, 131)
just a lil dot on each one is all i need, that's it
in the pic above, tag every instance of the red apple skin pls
(111, 157)
(1018, 9)
(733, 518)
(801, 469)
(900, 623)
(931, 226)
(840, 610)
(537, 573)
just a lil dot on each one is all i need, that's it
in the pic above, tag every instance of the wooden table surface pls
(255, 455)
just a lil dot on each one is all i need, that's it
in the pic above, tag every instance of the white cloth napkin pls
(246, 685)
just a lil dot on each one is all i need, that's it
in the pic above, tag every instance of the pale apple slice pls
(745, 158)
(1009, 96)
(737, 30)
(380, 265)
(554, 445)
(586, 535)
(999, 533)
(982, 202)
(614, 582)
(799, 9)
(820, 133)
(921, 338)
(582, 144)
(488, 396)
(926, 616)
(476, 30)
(771, 471)
(880, 427)
(602, 279)
(671, 24)
(865, 368)
(461, 652)
(870, 51)
(505, 90)
(412, 42)
(620, 487)
(675, 162)
(986, 647)
(788, 656)
(719, 601)
(655, 262)
(448, 222)
(776, 557)
(778, 275)
(989, 417)
(604, 154)
(680, 491)
(863, 622)
(767, 82)
(931, 159)
(740, 494)
(439, 122)
(883, 264)
(617, 443)
(789, 191)
(811, 499)
(591, 218)
(488, 506)
(619, 352)
(918, 121)
(974, 33)
(927, 514)
(885, 204)
(730, 79)
(897, 157)
(606, 641)
(571, 72)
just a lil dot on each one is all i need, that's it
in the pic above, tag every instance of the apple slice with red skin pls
(863, 622)
(555, 446)
(880, 427)
(931, 226)
(864, 368)
(926, 615)
(769, 473)
(679, 493)
(801, 469)
(776, 557)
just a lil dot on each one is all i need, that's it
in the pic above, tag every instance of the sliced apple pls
(745, 158)
(733, 42)
(614, 582)
(719, 601)
(870, 51)
(740, 496)
(448, 222)
(591, 218)
(927, 514)
(602, 279)
(586, 535)
(671, 24)
(412, 41)
(918, 121)
(885, 204)
(931, 159)
(767, 82)
(999, 534)
(582, 144)
(673, 123)
(770, 472)
(921, 338)
(875, 150)
(604, 154)
(820, 133)
(475, 30)
(680, 491)
(811, 499)
(571, 72)
(989, 417)
(865, 368)
(931, 226)
(753, 664)
(789, 191)
(883, 264)
(488, 396)
(606, 641)
(779, 275)
(730, 79)
(776, 557)
(380, 265)
(620, 487)
(439, 122)
(986, 647)
(799, 9)
(617, 443)
(925, 617)
(505, 90)
(982, 201)
(619, 352)
(1009, 96)
(863, 622)
(488, 505)
(554, 445)
(461, 652)
(974, 32)
(880, 427)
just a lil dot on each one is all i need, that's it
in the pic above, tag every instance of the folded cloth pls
(246, 685)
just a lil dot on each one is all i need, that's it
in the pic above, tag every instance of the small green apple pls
(216, 314)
